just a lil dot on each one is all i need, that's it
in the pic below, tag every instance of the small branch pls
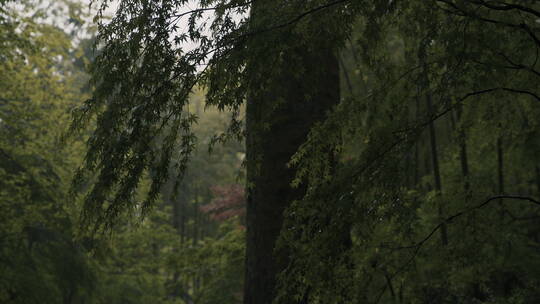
(205, 9)
(295, 19)
(451, 218)
(519, 65)
(464, 13)
(507, 7)
(416, 247)
(460, 101)
(534, 95)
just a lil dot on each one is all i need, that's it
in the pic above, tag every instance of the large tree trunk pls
(268, 151)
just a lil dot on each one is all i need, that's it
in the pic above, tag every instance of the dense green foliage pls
(44, 255)
(40, 262)
(436, 126)
(439, 131)
(422, 185)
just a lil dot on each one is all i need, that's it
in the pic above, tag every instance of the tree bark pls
(463, 159)
(537, 171)
(435, 163)
(270, 148)
(500, 165)
(433, 142)
(500, 174)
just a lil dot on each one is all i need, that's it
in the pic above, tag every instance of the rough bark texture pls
(268, 151)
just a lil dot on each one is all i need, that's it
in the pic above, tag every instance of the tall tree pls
(279, 119)
(281, 54)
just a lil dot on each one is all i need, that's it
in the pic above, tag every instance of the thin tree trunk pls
(462, 141)
(178, 219)
(195, 237)
(500, 165)
(346, 74)
(433, 143)
(436, 172)
(196, 220)
(537, 170)
(179, 224)
(500, 174)
(463, 159)
(182, 227)
(417, 148)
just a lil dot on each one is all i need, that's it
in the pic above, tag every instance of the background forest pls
(386, 151)
(189, 249)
